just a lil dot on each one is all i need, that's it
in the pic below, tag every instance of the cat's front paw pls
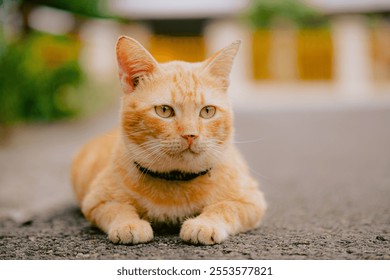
(202, 231)
(133, 232)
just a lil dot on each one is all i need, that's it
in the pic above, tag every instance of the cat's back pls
(91, 160)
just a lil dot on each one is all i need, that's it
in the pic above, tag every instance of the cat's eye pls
(164, 111)
(208, 112)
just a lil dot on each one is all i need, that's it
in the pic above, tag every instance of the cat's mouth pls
(183, 152)
(190, 151)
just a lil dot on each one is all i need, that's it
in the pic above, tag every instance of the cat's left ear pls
(134, 61)
(220, 64)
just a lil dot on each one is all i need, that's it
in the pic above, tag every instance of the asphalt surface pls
(325, 171)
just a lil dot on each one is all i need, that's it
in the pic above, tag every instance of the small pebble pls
(380, 238)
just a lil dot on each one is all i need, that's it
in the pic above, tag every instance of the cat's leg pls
(116, 217)
(218, 221)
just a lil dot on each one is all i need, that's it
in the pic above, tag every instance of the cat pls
(172, 160)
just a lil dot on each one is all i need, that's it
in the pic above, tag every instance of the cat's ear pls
(220, 64)
(134, 61)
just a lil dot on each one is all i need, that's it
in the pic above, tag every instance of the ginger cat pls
(172, 160)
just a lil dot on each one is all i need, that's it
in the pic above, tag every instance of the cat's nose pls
(190, 138)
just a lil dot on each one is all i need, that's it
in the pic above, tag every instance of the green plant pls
(36, 74)
(87, 8)
(263, 13)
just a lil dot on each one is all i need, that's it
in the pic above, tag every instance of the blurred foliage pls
(36, 74)
(264, 13)
(40, 75)
(88, 8)
(375, 20)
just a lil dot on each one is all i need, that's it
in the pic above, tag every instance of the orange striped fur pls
(122, 201)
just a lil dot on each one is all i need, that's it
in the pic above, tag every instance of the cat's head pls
(175, 115)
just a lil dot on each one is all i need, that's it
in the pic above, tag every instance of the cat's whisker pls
(219, 155)
(148, 160)
(144, 146)
(249, 141)
(148, 153)
(257, 173)
(216, 153)
(156, 157)
(139, 152)
(149, 157)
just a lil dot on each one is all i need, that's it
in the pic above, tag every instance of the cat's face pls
(177, 115)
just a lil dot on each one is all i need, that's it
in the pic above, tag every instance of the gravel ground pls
(325, 173)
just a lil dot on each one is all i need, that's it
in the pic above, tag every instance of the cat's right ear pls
(220, 64)
(134, 61)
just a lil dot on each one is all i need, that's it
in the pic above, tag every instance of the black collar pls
(174, 175)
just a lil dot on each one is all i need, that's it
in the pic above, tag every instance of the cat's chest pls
(170, 204)
(167, 211)
(170, 214)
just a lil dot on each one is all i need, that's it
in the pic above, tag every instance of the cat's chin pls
(191, 154)
(187, 154)
(183, 167)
